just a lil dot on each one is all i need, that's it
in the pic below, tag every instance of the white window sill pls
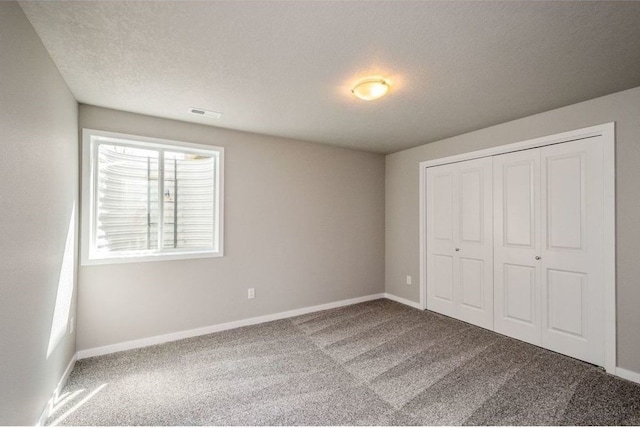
(150, 258)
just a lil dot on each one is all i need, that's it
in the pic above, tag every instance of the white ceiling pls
(285, 68)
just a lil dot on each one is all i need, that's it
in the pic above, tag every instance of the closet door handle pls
(538, 257)
(457, 249)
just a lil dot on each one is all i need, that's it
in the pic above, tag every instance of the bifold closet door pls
(516, 196)
(459, 241)
(548, 221)
(572, 258)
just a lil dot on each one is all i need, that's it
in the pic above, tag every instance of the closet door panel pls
(519, 203)
(475, 243)
(517, 244)
(471, 207)
(472, 283)
(443, 278)
(572, 207)
(565, 200)
(566, 305)
(519, 303)
(442, 272)
(443, 198)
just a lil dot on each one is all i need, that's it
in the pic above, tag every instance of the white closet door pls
(442, 213)
(459, 241)
(517, 274)
(475, 242)
(572, 254)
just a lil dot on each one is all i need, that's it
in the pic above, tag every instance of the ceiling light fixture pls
(203, 112)
(370, 89)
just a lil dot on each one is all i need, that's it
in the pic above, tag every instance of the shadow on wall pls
(66, 280)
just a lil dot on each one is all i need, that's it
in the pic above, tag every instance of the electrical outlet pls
(408, 279)
(251, 293)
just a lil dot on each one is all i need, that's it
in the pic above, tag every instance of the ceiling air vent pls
(203, 112)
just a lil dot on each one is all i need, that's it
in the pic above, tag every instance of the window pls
(148, 199)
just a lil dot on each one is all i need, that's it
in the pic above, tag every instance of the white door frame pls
(607, 131)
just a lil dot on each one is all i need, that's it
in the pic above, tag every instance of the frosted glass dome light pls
(370, 89)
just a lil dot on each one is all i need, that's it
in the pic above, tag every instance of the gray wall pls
(304, 225)
(39, 185)
(402, 241)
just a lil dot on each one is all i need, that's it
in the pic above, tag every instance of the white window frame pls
(90, 141)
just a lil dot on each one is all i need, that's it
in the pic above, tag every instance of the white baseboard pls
(628, 375)
(155, 340)
(402, 300)
(56, 392)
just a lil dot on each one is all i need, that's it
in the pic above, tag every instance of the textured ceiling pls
(285, 68)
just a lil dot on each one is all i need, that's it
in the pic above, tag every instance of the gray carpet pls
(375, 363)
